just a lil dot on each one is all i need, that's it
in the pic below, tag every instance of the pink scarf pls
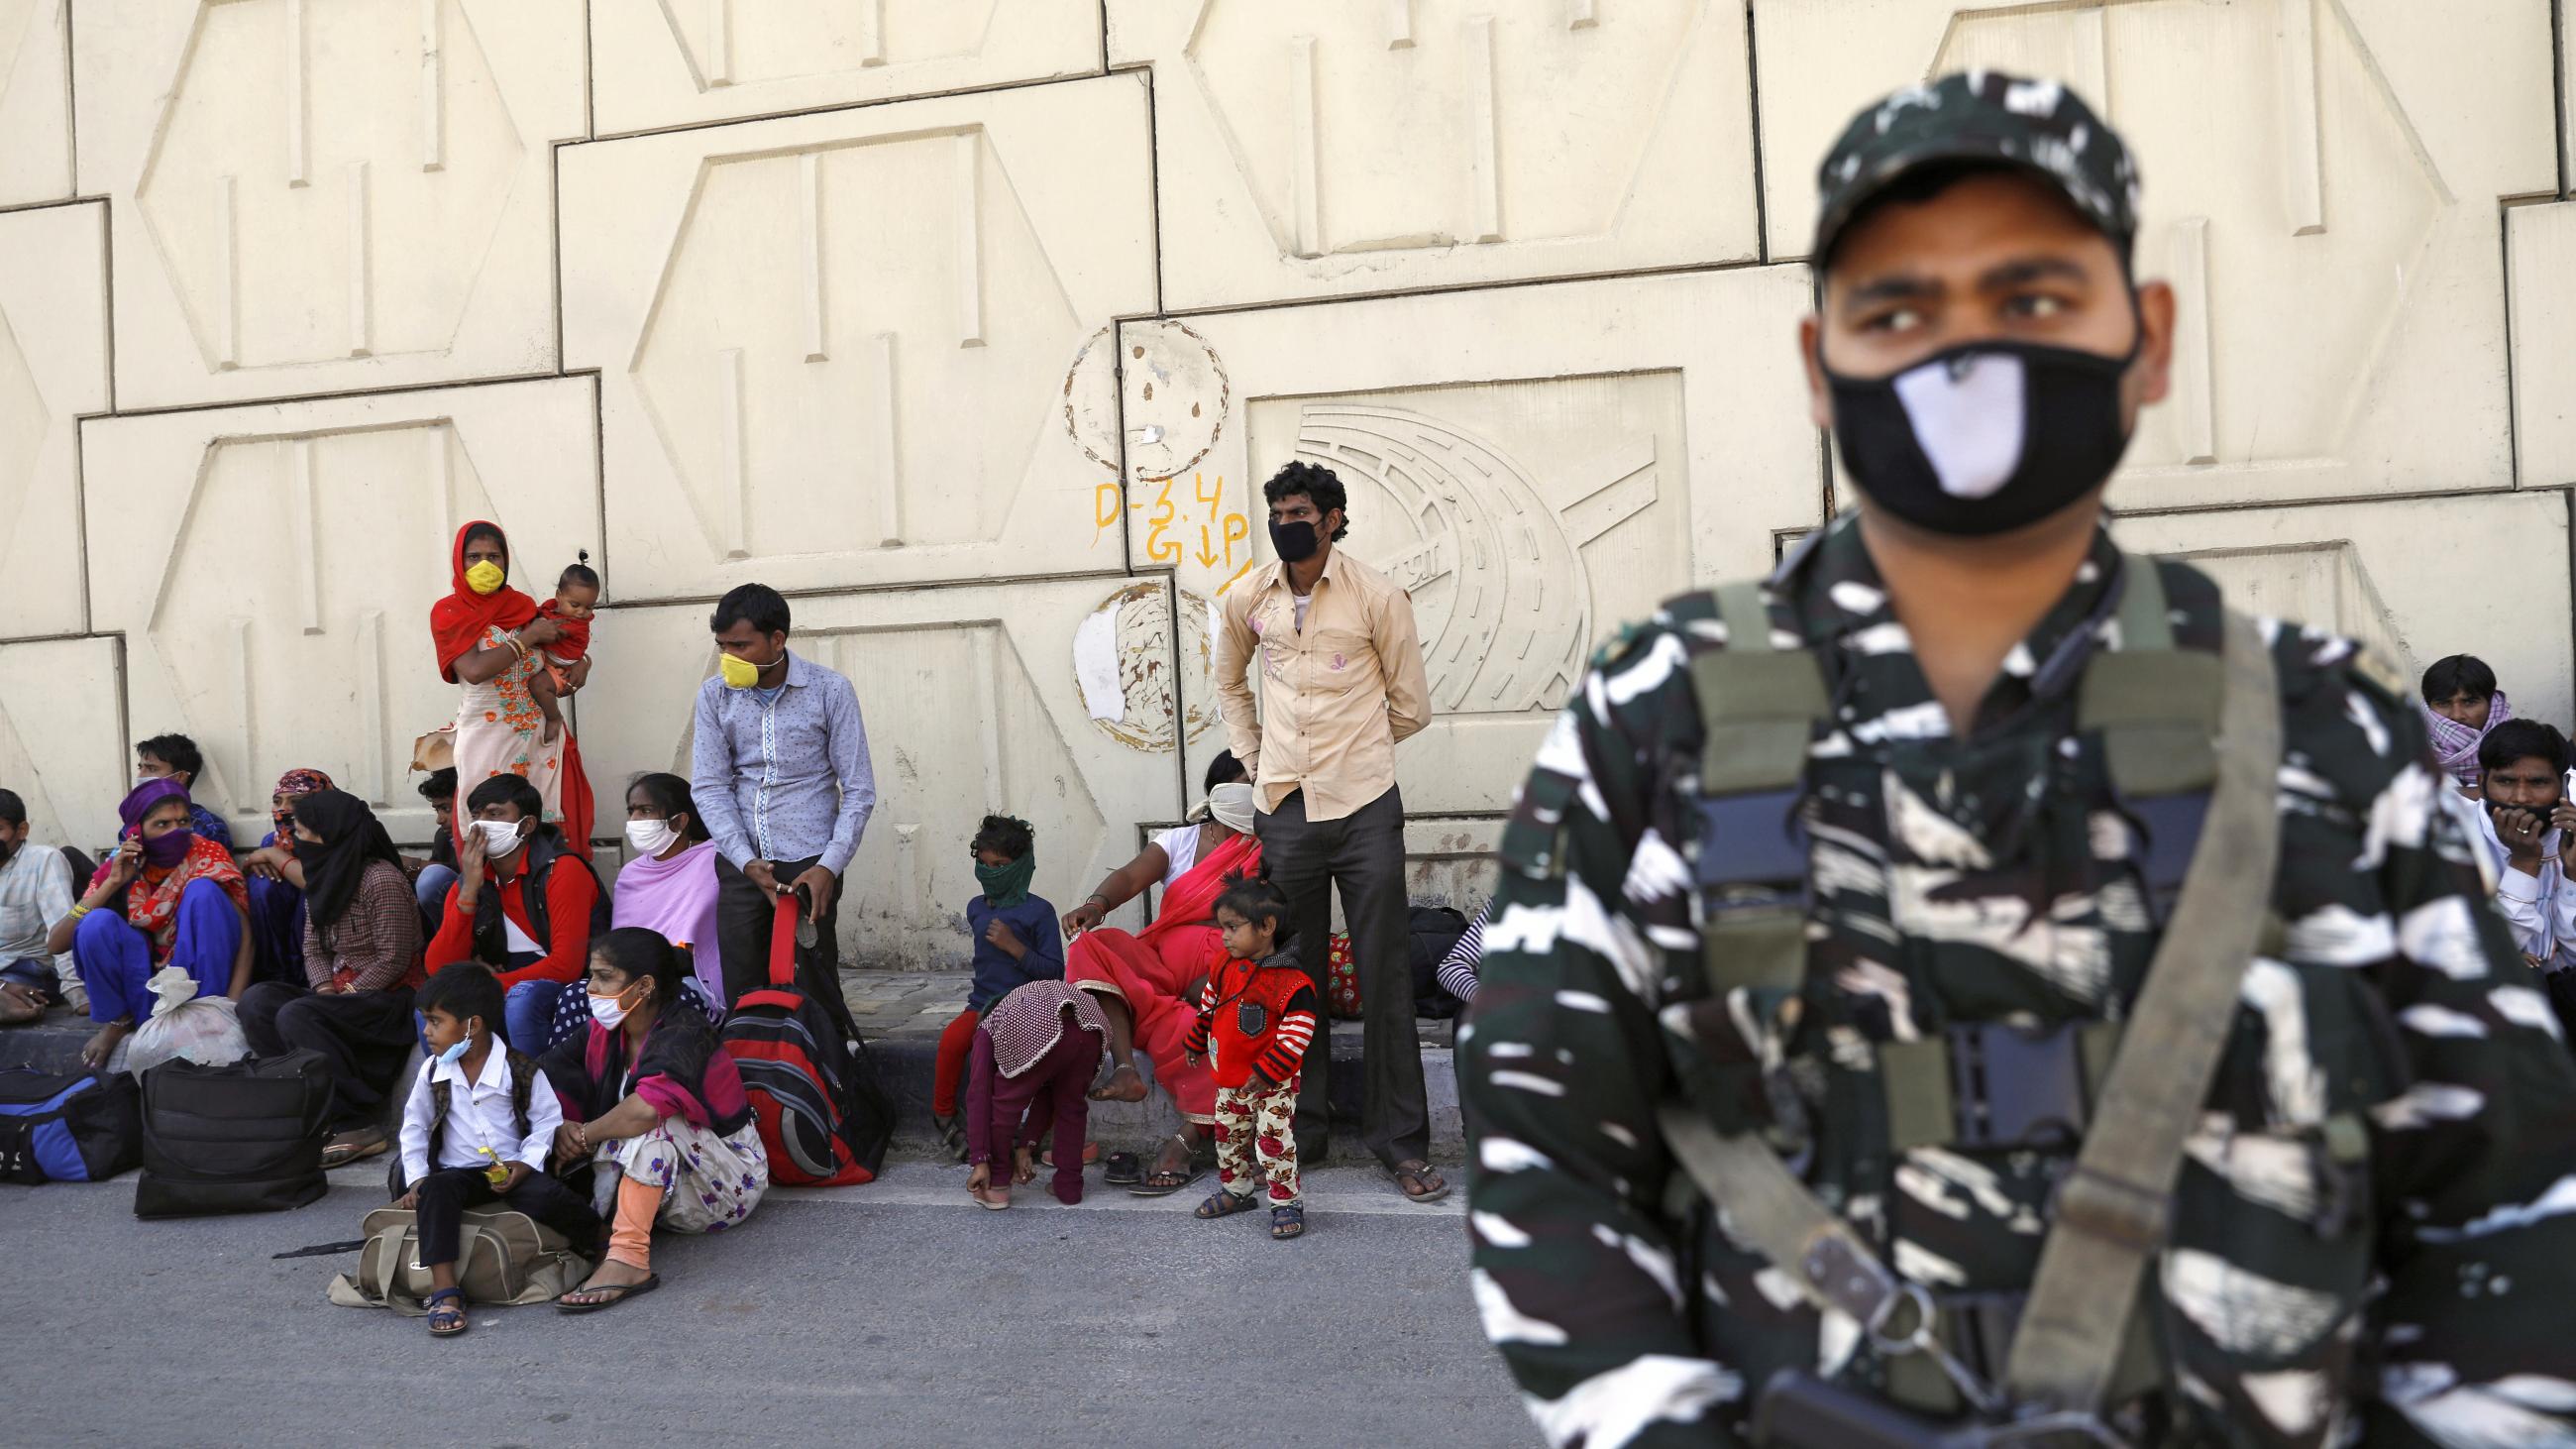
(676, 897)
(2455, 745)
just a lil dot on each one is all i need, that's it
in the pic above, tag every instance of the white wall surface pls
(974, 325)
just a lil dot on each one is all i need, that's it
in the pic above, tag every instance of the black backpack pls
(234, 1139)
(83, 1127)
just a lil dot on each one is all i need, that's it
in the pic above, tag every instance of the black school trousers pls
(448, 1192)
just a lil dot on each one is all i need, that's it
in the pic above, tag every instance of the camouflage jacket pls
(2411, 1287)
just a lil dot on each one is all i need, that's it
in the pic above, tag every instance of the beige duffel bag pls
(503, 1258)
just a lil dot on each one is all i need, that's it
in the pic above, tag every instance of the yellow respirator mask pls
(485, 577)
(738, 673)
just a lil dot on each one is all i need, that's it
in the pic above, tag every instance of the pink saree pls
(1151, 970)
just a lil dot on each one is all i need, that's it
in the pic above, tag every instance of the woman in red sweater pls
(1256, 1019)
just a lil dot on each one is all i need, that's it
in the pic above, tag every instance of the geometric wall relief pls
(272, 569)
(323, 195)
(62, 738)
(661, 63)
(2541, 265)
(2320, 186)
(2413, 581)
(834, 349)
(1536, 466)
(53, 368)
(1277, 178)
(35, 101)
(970, 705)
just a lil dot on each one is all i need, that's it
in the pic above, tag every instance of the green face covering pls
(1006, 886)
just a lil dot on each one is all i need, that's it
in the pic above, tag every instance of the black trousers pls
(447, 1193)
(1362, 856)
(744, 915)
(364, 1038)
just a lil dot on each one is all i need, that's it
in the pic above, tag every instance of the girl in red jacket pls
(1256, 1018)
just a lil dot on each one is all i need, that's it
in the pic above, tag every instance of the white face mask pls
(650, 837)
(500, 838)
(608, 1011)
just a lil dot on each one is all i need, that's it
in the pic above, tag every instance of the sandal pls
(1223, 1204)
(1163, 1183)
(1287, 1221)
(447, 1320)
(951, 1135)
(1090, 1155)
(1122, 1169)
(1418, 1182)
(355, 1146)
(618, 1293)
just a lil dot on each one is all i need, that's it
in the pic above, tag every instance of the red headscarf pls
(457, 622)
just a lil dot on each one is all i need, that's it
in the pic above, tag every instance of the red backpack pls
(813, 1090)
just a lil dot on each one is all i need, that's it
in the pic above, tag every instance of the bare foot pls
(1125, 1084)
(99, 1048)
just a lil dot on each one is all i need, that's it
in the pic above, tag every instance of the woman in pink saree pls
(1147, 983)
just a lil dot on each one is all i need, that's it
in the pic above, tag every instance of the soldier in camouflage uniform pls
(2373, 1236)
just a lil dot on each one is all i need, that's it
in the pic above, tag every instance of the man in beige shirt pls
(1341, 681)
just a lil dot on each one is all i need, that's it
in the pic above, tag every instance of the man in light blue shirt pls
(782, 779)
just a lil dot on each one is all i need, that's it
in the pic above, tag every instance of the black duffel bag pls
(244, 1138)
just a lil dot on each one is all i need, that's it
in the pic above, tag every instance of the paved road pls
(897, 1314)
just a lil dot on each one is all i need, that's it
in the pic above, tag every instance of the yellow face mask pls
(738, 673)
(485, 577)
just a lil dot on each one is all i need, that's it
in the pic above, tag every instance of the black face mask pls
(1295, 542)
(1985, 437)
(8, 848)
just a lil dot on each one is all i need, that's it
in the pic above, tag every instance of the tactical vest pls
(2191, 743)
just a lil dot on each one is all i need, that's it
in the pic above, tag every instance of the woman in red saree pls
(1148, 982)
(490, 640)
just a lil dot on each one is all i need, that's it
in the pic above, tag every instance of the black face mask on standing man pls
(1984, 437)
(1294, 542)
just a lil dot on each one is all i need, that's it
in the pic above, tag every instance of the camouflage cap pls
(1981, 115)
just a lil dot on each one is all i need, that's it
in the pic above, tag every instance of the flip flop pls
(623, 1291)
(1123, 1169)
(1420, 1172)
(341, 1154)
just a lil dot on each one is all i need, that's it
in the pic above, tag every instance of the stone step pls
(902, 1014)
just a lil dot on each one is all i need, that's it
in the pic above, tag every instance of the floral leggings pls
(1261, 1125)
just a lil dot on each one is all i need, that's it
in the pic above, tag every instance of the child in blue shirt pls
(1016, 941)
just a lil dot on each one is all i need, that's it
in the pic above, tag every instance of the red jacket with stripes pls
(1278, 986)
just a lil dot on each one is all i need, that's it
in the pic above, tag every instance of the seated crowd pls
(569, 1026)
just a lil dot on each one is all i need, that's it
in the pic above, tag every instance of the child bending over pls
(1256, 1019)
(1036, 1052)
(1015, 941)
(476, 1131)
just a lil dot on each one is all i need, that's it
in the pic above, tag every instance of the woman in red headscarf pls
(490, 641)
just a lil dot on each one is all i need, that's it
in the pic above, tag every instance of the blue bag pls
(80, 1127)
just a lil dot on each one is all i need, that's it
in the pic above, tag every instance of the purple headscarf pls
(2455, 745)
(139, 803)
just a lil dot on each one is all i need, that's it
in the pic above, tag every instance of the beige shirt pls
(1335, 695)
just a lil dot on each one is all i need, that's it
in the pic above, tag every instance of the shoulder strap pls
(2156, 706)
(2112, 1213)
(437, 1114)
(2113, 1209)
(523, 1086)
(1758, 706)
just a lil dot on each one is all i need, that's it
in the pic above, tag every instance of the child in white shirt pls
(477, 1130)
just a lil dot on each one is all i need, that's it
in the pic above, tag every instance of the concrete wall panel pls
(2541, 261)
(973, 702)
(662, 63)
(53, 367)
(2321, 183)
(62, 737)
(1281, 178)
(2396, 576)
(35, 101)
(838, 349)
(1536, 465)
(272, 569)
(313, 196)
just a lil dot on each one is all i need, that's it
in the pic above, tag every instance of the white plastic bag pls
(205, 1030)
